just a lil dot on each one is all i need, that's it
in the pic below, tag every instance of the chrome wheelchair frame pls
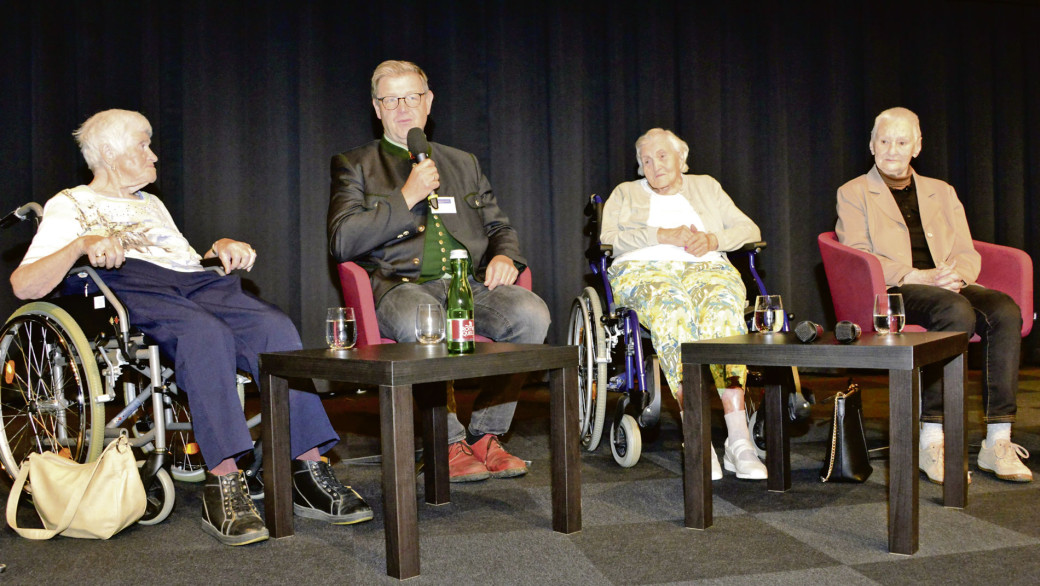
(65, 360)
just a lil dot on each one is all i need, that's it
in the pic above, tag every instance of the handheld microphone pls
(808, 331)
(418, 145)
(846, 332)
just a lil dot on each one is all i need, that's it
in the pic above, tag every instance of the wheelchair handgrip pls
(22, 213)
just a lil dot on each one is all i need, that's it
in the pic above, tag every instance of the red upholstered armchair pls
(855, 277)
(357, 293)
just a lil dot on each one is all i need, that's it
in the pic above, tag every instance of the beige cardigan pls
(626, 212)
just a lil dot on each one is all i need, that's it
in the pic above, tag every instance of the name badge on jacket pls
(445, 205)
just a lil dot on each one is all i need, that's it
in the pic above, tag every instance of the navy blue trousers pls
(209, 327)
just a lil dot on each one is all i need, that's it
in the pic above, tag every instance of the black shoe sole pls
(234, 540)
(310, 513)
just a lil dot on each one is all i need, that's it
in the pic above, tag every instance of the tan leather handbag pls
(94, 500)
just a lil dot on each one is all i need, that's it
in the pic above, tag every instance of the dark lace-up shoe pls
(318, 494)
(228, 513)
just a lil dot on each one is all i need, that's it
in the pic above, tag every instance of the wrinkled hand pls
(943, 276)
(500, 271)
(423, 180)
(689, 238)
(702, 243)
(104, 252)
(233, 254)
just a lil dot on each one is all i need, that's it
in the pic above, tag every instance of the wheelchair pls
(66, 360)
(615, 356)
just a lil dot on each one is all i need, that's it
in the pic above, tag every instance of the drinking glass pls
(340, 328)
(429, 323)
(889, 315)
(769, 314)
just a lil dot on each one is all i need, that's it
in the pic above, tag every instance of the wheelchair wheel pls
(586, 332)
(49, 388)
(626, 444)
(160, 497)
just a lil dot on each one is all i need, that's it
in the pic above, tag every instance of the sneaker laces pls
(328, 481)
(459, 446)
(1005, 448)
(236, 497)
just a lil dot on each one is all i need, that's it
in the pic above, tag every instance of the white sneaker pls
(716, 470)
(740, 457)
(1003, 460)
(930, 461)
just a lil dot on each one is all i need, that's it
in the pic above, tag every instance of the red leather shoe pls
(499, 462)
(463, 466)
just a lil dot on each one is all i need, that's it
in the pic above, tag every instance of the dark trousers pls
(209, 327)
(996, 318)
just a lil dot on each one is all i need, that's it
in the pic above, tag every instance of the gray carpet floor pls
(499, 531)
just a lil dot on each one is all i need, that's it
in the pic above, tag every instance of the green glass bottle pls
(460, 329)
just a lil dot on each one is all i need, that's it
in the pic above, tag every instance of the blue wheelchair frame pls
(637, 378)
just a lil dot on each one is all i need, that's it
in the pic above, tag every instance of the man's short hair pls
(108, 127)
(897, 112)
(395, 68)
(679, 144)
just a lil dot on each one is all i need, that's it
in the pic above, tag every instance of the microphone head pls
(417, 143)
(807, 331)
(846, 332)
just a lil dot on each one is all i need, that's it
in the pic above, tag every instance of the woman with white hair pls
(670, 232)
(203, 321)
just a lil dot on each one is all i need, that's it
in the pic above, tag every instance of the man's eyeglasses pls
(391, 102)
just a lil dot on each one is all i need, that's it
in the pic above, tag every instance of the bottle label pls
(461, 330)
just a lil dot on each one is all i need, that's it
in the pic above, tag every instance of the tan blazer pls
(870, 220)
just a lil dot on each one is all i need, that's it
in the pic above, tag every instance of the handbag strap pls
(853, 387)
(70, 510)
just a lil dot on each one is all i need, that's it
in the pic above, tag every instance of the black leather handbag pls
(849, 460)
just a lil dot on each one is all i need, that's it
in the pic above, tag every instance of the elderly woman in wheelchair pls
(670, 233)
(201, 320)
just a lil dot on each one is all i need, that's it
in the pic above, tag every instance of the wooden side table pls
(902, 355)
(395, 368)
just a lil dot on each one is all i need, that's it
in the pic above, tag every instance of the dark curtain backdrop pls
(248, 101)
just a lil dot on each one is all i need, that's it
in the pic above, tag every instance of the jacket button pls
(415, 261)
(405, 279)
(405, 232)
(421, 228)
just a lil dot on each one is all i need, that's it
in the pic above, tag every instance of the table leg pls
(399, 506)
(955, 467)
(778, 440)
(565, 456)
(696, 413)
(434, 418)
(274, 429)
(904, 399)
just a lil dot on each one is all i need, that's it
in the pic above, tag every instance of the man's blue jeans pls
(507, 314)
(996, 318)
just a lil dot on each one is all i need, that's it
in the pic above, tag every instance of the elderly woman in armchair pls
(670, 232)
(202, 320)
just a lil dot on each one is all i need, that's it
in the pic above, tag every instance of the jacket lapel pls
(883, 196)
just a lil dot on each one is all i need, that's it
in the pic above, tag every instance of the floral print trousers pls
(682, 302)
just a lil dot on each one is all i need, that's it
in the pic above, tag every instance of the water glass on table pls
(340, 328)
(889, 314)
(429, 323)
(769, 314)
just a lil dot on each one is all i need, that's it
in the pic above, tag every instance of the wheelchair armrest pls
(214, 265)
(752, 247)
